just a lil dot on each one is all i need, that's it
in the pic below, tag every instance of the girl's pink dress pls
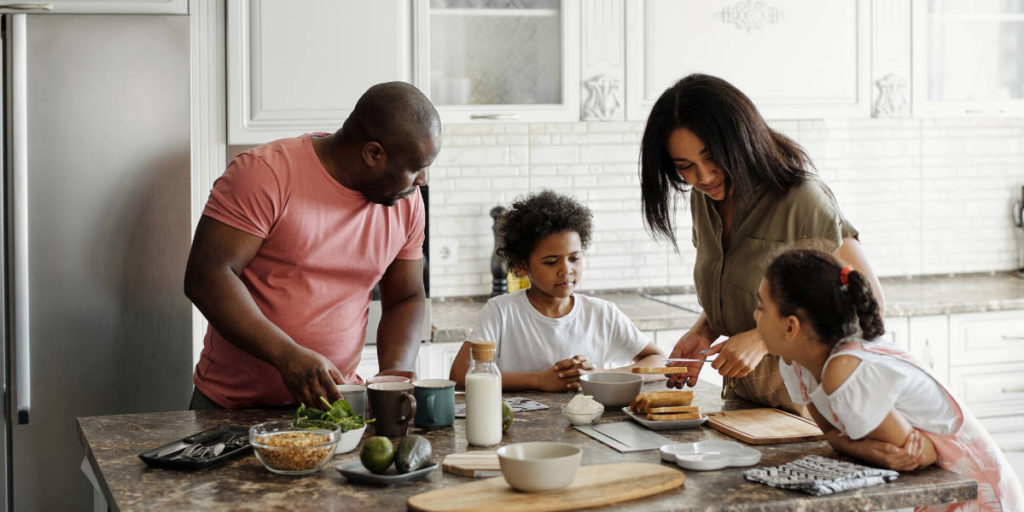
(968, 451)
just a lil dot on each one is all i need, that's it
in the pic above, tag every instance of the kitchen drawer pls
(979, 338)
(990, 390)
(1007, 432)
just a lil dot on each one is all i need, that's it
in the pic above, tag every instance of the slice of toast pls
(658, 369)
(646, 401)
(676, 416)
(674, 409)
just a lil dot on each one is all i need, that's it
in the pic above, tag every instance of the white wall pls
(929, 196)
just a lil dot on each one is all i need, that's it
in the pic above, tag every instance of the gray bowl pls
(612, 389)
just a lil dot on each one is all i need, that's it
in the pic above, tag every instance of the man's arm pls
(403, 305)
(212, 282)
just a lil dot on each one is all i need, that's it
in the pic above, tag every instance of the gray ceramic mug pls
(393, 407)
(355, 395)
(435, 399)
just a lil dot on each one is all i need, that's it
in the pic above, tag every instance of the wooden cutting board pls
(764, 426)
(472, 464)
(594, 486)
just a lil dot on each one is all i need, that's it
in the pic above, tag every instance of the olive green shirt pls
(727, 277)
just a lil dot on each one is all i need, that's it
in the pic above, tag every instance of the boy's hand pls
(564, 375)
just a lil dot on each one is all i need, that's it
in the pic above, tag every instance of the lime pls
(506, 416)
(377, 454)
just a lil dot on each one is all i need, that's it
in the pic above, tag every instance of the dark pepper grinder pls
(499, 277)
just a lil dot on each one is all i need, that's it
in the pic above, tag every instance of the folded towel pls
(820, 475)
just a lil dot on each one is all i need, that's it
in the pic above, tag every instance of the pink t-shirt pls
(324, 247)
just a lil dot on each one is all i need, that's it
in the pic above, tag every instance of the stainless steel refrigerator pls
(97, 231)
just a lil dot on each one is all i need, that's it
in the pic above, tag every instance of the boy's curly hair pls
(535, 217)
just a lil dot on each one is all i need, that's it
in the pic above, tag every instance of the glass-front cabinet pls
(967, 57)
(502, 60)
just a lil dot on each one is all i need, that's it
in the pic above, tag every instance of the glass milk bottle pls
(483, 396)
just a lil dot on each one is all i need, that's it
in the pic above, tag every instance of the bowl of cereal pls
(289, 450)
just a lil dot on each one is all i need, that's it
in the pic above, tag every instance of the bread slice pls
(658, 369)
(644, 402)
(677, 408)
(676, 416)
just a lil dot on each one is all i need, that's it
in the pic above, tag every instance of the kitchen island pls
(112, 445)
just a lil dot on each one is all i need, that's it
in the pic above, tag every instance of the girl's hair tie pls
(844, 275)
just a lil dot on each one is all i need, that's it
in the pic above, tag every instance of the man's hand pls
(738, 355)
(309, 375)
(401, 373)
(564, 375)
(689, 347)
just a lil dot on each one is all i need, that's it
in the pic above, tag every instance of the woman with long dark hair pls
(751, 190)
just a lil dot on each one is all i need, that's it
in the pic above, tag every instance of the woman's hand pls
(564, 375)
(738, 355)
(689, 347)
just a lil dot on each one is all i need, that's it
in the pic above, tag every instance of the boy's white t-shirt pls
(528, 341)
(879, 384)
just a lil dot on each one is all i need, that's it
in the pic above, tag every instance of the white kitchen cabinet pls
(435, 360)
(502, 60)
(298, 66)
(99, 7)
(967, 58)
(794, 58)
(897, 331)
(929, 344)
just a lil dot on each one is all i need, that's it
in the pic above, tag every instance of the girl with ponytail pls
(869, 398)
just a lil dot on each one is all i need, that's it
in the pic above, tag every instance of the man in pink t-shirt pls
(292, 240)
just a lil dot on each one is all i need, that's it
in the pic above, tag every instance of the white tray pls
(665, 425)
(710, 455)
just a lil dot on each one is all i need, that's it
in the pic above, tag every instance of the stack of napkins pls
(820, 475)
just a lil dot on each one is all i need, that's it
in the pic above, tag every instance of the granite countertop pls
(113, 443)
(453, 319)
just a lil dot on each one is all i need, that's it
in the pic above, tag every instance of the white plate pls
(710, 455)
(665, 425)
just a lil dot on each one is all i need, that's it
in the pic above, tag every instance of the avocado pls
(413, 453)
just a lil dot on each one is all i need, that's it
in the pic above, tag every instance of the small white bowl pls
(582, 419)
(349, 440)
(612, 389)
(539, 466)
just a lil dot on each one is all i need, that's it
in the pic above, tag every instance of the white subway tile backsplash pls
(929, 196)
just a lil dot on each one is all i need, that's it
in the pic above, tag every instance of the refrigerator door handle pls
(18, 83)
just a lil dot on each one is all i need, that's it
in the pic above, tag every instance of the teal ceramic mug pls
(436, 399)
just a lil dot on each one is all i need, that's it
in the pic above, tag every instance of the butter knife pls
(685, 360)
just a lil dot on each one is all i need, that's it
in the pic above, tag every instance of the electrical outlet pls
(444, 251)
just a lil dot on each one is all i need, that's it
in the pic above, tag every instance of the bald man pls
(292, 240)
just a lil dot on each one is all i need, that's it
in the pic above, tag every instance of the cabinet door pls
(298, 66)
(794, 58)
(967, 58)
(929, 344)
(503, 60)
(897, 332)
(99, 7)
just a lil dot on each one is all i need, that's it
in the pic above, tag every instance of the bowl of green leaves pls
(338, 414)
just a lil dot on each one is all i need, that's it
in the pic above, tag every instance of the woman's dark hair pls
(739, 142)
(807, 283)
(535, 217)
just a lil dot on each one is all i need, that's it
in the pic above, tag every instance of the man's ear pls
(374, 155)
(792, 327)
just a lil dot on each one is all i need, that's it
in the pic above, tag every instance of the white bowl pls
(612, 389)
(539, 466)
(349, 440)
(582, 419)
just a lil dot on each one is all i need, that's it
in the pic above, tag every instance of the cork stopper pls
(482, 351)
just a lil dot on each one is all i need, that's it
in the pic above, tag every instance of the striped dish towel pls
(818, 475)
